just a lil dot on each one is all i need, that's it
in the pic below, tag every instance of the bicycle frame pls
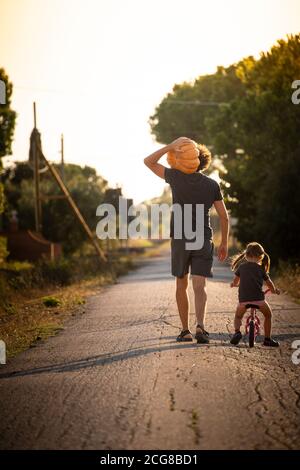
(253, 318)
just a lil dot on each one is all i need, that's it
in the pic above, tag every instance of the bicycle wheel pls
(251, 334)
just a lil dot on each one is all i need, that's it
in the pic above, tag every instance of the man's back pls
(193, 189)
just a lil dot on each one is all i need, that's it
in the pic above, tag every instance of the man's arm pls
(224, 220)
(235, 282)
(152, 160)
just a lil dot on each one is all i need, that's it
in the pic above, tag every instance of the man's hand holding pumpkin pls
(177, 143)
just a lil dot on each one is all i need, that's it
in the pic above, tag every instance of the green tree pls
(256, 135)
(59, 223)
(265, 124)
(190, 106)
(7, 126)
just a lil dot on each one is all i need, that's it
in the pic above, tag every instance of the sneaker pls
(271, 343)
(236, 338)
(202, 336)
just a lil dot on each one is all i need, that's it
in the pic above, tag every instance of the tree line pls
(87, 188)
(246, 116)
(244, 113)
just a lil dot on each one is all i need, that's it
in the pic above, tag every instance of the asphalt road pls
(116, 379)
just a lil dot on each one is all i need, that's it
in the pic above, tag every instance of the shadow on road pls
(107, 358)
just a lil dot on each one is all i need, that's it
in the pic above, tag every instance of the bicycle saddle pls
(252, 306)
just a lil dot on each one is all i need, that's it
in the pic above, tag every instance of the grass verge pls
(287, 278)
(31, 313)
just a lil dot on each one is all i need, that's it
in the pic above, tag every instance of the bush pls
(58, 272)
(51, 301)
(3, 250)
(16, 274)
(3, 291)
(288, 278)
(87, 266)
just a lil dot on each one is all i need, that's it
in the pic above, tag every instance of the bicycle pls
(252, 326)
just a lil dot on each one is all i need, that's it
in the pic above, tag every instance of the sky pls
(98, 68)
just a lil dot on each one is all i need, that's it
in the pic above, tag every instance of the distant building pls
(28, 245)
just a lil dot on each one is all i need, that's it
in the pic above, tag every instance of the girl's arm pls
(235, 282)
(272, 287)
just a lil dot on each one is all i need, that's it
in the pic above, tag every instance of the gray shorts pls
(200, 260)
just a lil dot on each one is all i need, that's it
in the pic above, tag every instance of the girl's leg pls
(240, 312)
(267, 313)
(182, 300)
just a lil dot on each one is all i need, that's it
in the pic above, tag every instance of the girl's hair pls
(253, 250)
(204, 157)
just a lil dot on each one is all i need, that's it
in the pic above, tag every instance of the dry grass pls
(31, 314)
(157, 249)
(27, 320)
(288, 279)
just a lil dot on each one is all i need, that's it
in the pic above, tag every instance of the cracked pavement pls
(115, 378)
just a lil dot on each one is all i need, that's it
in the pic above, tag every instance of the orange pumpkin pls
(186, 161)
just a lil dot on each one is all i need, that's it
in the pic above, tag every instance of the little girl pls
(251, 269)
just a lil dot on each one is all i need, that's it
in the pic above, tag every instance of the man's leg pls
(182, 300)
(199, 287)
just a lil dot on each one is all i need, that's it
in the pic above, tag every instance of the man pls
(193, 189)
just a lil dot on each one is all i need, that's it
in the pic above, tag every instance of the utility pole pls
(74, 207)
(38, 206)
(36, 154)
(62, 164)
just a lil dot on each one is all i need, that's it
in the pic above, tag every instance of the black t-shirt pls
(193, 189)
(252, 277)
